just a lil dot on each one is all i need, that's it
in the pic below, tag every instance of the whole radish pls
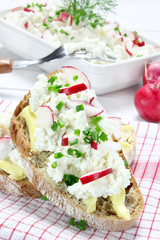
(147, 102)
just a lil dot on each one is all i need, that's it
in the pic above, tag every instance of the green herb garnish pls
(55, 88)
(81, 224)
(55, 126)
(71, 151)
(54, 165)
(45, 25)
(116, 29)
(103, 137)
(75, 77)
(79, 108)
(87, 140)
(125, 34)
(95, 120)
(98, 129)
(64, 32)
(50, 19)
(126, 163)
(44, 198)
(75, 141)
(60, 105)
(58, 155)
(67, 85)
(70, 179)
(40, 6)
(60, 123)
(52, 79)
(87, 131)
(77, 132)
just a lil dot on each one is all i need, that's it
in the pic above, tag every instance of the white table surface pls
(143, 16)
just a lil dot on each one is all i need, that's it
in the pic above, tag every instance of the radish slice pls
(6, 146)
(89, 109)
(26, 25)
(95, 175)
(64, 16)
(16, 9)
(44, 117)
(117, 124)
(94, 145)
(74, 89)
(96, 103)
(131, 35)
(71, 72)
(57, 20)
(65, 141)
(28, 10)
(129, 48)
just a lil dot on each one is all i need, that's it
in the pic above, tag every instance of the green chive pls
(60, 105)
(75, 141)
(52, 79)
(70, 151)
(75, 77)
(55, 88)
(79, 108)
(81, 224)
(94, 136)
(87, 140)
(116, 29)
(50, 19)
(95, 120)
(77, 132)
(78, 153)
(55, 30)
(58, 155)
(70, 179)
(44, 198)
(87, 131)
(67, 85)
(54, 126)
(62, 31)
(98, 129)
(45, 25)
(126, 163)
(54, 165)
(103, 137)
(125, 34)
(60, 123)
(71, 221)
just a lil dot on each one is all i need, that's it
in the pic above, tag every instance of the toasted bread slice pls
(104, 217)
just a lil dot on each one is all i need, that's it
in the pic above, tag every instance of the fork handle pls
(6, 65)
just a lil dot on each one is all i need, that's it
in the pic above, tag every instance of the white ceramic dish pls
(104, 78)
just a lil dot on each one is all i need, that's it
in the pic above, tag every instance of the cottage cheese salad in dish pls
(65, 119)
(79, 26)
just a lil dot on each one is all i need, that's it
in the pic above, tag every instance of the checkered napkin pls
(22, 218)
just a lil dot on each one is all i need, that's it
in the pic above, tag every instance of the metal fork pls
(6, 65)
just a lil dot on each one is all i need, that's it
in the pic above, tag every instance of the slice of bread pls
(104, 217)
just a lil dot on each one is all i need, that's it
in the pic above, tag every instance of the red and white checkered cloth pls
(28, 219)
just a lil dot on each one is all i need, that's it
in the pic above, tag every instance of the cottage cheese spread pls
(109, 39)
(91, 160)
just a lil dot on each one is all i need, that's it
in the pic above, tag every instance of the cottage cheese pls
(109, 39)
(105, 156)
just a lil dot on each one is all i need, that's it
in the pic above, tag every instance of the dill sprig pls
(90, 12)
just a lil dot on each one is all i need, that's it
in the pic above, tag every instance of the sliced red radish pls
(71, 72)
(95, 175)
(45, 19)
(89, 109)
(131, 35)
(94, 145)
(138, 43)
(96, 103)
(129, 48)
(65, 141)
(16, 9)
(44, 117)
(69, 21)
(117, 125)
(26, 25)
(64, 16)
(74, 89)
(6, 146)
(28, 10)
(57, 20)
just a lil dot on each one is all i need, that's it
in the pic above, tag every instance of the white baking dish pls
(103, 78)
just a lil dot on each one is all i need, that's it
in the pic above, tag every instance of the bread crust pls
(62, 200)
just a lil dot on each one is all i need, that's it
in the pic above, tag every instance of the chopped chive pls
(64, 32)
(50, 19)
(72, 38)
(60, 105)
(70, 179)
(94, 136)
(75, 77)
(58, 155)
(70, 151)
(67, 85)
(55, 30)
(44, 198)
(79, 108)
(75, 141)
(45, 25)
(54, 165)
(126, 163)
(54, 126)
(87, 131)
(136, 41)
(77, 132)
(98, 129)
(60, 123)
(116, 29)
(103, 137)
(95, 120)
(135, 32)
(81, 224)
(125, 34)
(87, 140)
(52, 79)
(72, 221)
(55, 88)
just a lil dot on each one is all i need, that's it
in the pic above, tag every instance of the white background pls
(140, 15)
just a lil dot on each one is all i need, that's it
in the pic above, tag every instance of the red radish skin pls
(151, 73)
(147, 102)
(28, 10)
(129, 48)
(26, 25)
(58, 20)
(94, 145)
(16, 9)
(64, 16)
(95, 175)
(74, 89)
(65, 141)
